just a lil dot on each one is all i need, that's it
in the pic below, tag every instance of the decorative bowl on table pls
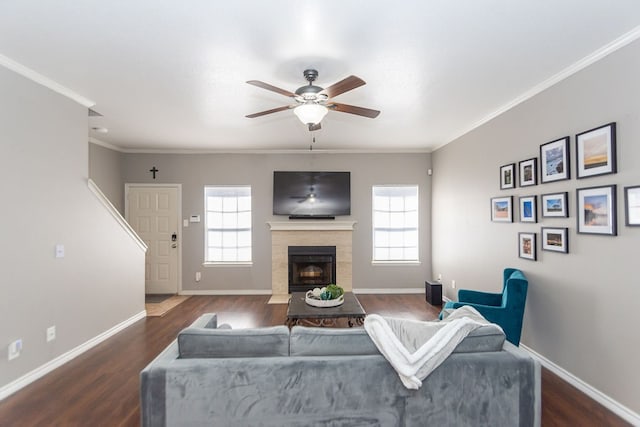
(330, 296)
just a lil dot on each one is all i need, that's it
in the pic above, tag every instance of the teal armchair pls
(505, 309)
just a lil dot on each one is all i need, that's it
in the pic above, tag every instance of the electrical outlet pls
(14, 349)
(439, 277)
(453, 284)
(198, 276)
(59, 251)
(51, 333)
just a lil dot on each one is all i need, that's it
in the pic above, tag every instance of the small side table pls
(434, 292)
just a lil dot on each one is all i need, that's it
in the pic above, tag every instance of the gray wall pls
(582, 307)
(194, 171)
(105, 169)
(43, 181)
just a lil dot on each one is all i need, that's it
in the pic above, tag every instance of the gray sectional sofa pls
(274, 376)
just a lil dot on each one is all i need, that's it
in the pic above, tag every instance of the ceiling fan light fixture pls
(310, 113)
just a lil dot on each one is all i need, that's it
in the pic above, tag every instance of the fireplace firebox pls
(311, 267)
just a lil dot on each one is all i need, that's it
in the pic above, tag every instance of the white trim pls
(127, 186)
(396, 263)
(114, 212)
(292, 151)
(311, 225)
(581, 64)
(96, 141)
(227, 292)
(44, 81)
(42, 370)
(606, 401)
(210, 264)
(389, 291)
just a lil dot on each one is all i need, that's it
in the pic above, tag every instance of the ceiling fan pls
(313, 102)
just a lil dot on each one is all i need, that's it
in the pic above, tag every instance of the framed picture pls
(597, 210)
(632, 205)
(528, 210)
(596, 151)
(555, 239)
(527, 246)
(508, 176)
(528, 172)
(502, 209)
(555, 205)
(554, 160)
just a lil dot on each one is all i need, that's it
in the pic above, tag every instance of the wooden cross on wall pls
(153, 171)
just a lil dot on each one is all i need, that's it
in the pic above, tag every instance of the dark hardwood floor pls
(100, 387)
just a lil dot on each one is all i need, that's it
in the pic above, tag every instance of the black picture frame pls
(527, 246)
(555, 163)
(508, 176)
(632, 205)
(596, 212)
(596, 151)
(502, 209)
(528, 172)
(555, 239)
(555, 205)
(528, 209)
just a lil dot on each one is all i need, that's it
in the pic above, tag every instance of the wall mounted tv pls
(317, 195)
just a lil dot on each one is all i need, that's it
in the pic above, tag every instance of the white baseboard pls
(611, 404)
(39, 372)
(226, 292)
(389, 291)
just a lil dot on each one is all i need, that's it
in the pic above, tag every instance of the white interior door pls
(152, 211)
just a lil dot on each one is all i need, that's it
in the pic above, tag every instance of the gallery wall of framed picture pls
(595, 206)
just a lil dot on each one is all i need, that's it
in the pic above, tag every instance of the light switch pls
(185, 222)
(59, 251)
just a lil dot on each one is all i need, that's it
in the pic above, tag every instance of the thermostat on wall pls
(194, 218)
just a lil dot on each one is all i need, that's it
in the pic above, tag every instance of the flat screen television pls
(311, 194)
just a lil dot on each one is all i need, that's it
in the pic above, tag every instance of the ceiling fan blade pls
(343, 86)
(263, 113)
(352, 109)
(313, 127)
(272, 88)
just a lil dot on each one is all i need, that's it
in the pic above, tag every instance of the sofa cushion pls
(485, 338)
(338, 342)
(330, 342)
(222, 343)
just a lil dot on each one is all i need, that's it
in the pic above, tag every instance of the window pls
(227, 224)
(395, 223)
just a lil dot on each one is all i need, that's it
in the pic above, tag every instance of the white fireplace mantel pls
(311, 225)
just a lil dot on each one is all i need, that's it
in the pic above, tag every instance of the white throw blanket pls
(416, 348)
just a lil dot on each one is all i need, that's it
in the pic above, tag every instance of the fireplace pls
(311, 267)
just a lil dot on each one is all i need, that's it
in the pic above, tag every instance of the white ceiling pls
(170, 75)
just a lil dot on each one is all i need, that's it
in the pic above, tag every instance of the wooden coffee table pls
(301, 313)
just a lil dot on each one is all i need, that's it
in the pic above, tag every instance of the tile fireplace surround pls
(308, 233)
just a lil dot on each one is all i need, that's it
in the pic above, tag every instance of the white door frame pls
(178, 187)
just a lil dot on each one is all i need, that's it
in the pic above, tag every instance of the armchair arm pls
(491, 313)
(477, 297)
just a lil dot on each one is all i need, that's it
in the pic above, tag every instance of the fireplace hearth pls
(311, 267)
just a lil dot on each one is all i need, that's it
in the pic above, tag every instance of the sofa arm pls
(207, 321)
(477, 297)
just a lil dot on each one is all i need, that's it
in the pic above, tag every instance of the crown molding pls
(44, 81)
(583, 63)
(105, 144)
(296, 151)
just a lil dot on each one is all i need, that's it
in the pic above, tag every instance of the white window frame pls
(219, 190)
(411, 224)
